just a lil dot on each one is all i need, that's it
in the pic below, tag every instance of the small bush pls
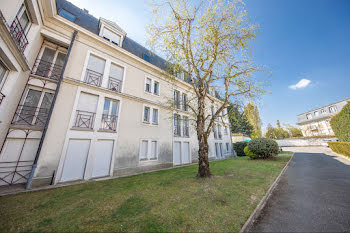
(263, 147)
(341, 124)
(239, 148)
(340, 147)
(249, 153)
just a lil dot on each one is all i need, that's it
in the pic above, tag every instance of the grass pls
(163, 201)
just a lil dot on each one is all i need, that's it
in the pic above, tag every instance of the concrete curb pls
(263, 201)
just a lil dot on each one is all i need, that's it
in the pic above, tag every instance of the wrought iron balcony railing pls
(115, 84)
(109, 122)
(47, 69)
(177, 130)
(2, 97)
(93, 78)
(18, 34)
(84, 120)
(30, 116)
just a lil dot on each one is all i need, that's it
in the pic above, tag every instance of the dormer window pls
(111, 36)
(146, 58)
(111, 32)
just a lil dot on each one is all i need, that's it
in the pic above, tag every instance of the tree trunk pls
(203, 160)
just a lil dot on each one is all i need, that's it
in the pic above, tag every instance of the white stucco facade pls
(111, 115)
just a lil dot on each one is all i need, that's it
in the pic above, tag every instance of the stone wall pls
(293, 142)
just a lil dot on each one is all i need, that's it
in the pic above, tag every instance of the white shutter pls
(87, 102)
(144, 149)
(154, 149)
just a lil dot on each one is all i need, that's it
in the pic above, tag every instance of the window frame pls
(153, 81)
(151, 110)
(149, 150)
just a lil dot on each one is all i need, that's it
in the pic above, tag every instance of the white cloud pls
(301, 84)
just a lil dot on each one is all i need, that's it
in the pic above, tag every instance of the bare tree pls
(209, 41)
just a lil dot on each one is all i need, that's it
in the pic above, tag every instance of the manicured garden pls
(163, 201)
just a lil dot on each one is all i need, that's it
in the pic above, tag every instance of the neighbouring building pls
(80, 100)
(316, 122)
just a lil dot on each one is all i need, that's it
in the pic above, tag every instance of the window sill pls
(82, 129)
(106, 131)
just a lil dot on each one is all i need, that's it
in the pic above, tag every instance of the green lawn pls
(168, 200)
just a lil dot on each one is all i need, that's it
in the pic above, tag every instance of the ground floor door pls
(186, 153)
(103, 158)
(177, 153)
(75, 161)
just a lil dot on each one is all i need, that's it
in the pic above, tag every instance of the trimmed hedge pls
(340, 147)
(239, 148)
(263, 147)
(249, 153)
(341, 124)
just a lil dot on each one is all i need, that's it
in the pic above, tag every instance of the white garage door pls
(103, 158)
(177, 153)
(186, 152)
(75, 162)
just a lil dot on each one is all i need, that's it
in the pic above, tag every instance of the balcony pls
(84, 120)
(2, 97)
(30, 116)
(115, 84)
(18, 34)
(93, 78)
(109, 122)
(47, 69)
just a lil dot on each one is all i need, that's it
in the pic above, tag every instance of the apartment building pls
(81, 100)
(316, 121)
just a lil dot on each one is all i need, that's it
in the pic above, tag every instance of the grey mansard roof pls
(89, 22)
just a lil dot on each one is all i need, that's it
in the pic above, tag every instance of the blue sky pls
(297, 39)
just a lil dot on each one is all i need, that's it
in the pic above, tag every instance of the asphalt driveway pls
(313, 196)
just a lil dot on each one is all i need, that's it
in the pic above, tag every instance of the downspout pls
(30, 178)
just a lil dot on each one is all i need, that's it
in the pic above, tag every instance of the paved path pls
(312, 196)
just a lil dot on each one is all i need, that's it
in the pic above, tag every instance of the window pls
(3, 72)
(154, 150)
(19, 28)
(85, 114)
(186, 131)
(219, 132)
(177, 126)
(146, 58)
(144, 150)
(155, 117)
(215, 132)
(116, 74)
(333, 109)
(148, 85)
(156, 88)
(226, 130)
(67, 15)
(184, 102)
(323, 111)
(94, 71)
(34, 108)
(308, 116)
(148, 150)
(316, 113)
(146, 114)
(177, 99)
(110, 115)
(227, 147)
(212, 111)
(111, 36)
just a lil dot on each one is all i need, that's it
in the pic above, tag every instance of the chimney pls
(86, 11)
